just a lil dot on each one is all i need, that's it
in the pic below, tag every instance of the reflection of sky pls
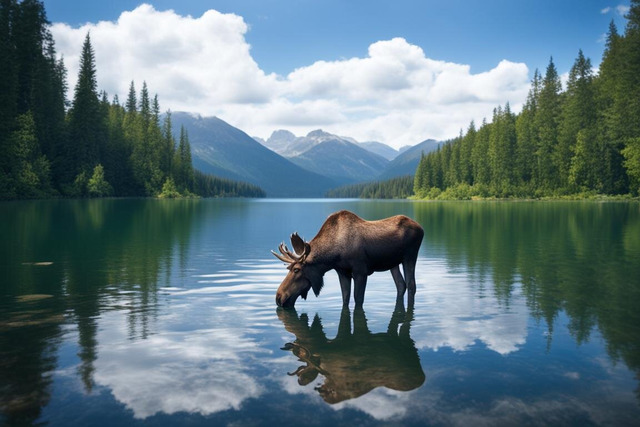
(459, 313)
(199, 371)
(200, 358)
(206, 343)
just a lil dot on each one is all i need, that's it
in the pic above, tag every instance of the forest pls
(394, 188)
(583, 141)
(90, 146)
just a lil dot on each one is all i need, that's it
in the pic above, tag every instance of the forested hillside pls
(394, 188)
(583, 140)
(92, 146)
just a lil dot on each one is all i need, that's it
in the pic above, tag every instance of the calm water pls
(162, 312)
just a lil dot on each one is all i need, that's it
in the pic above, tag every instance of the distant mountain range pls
(223, 150)
(289, 166)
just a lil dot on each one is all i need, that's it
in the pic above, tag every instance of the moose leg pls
(401, 286)
(345, 285)
(359, 285)
(409, 267)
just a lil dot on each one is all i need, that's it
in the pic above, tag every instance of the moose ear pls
(298, 244)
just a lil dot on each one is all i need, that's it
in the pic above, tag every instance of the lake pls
(162, 312)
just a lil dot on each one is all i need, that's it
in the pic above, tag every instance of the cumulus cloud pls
(622, 9)
(396, 93)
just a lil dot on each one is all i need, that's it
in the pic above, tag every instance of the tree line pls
(395, 188)
(583, 140)
(92, 146)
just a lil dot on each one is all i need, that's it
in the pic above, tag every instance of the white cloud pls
(622, 9)
(203, 64)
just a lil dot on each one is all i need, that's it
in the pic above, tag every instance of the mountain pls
(223, 150)
(279, 140)
(288, 145)
(380, 149)
(407, 161)
(340, 160)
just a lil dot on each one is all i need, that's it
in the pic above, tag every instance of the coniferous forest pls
(90, 146)
(394, 188)
(583, 141)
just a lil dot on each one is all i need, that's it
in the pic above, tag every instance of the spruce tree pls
(546, 123)
(86, 124)
(578, 113)
(527, 136)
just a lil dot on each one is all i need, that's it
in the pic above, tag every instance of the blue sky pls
(283, 36)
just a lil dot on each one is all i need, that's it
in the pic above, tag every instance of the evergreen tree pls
(526, 136)
(546, 122)
(97, 185)
(132, 103)
(183, 169)
(30, 170)
(611, 113)
(86, 124)
(578, 113)
(480, 155)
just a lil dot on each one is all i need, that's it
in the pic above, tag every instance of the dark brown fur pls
(355, 248)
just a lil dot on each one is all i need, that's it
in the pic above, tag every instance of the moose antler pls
(301, 250)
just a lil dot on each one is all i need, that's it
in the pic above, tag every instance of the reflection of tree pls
(104, 255)
(354, 362)
(581, 258)
(29, 338)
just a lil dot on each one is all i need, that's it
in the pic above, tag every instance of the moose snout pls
(279, 299)
(283, 300)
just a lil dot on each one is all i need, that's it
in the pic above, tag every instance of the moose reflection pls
(355, 248)
(355, 361)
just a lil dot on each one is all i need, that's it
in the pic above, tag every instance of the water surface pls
(162, 312)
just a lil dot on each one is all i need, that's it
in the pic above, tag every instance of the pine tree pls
(527, 137)
(480, 155)
(546, 122)
(86, 124)
(132, 103)
(183, 169)
(578, 113)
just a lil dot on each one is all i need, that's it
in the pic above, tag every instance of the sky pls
(397, 72)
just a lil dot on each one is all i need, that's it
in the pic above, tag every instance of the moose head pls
(303, 274)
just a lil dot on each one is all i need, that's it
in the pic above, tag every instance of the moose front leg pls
(401, 286)
(345, 285)
(359, 285)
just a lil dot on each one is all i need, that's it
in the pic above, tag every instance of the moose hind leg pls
(409, 267)
(401, 286)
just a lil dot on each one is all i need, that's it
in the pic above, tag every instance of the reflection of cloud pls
(193, 370)
(453, 311)
(381, 403)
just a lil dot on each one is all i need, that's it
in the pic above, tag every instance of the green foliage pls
(580, 142)
(631, 155)
(394, 188)
(95, 149)
(212, 186)
(169, 190)
(98, 185)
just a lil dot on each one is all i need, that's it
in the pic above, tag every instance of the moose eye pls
(296, 270)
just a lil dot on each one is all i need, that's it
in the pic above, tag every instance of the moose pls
(355, 248)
